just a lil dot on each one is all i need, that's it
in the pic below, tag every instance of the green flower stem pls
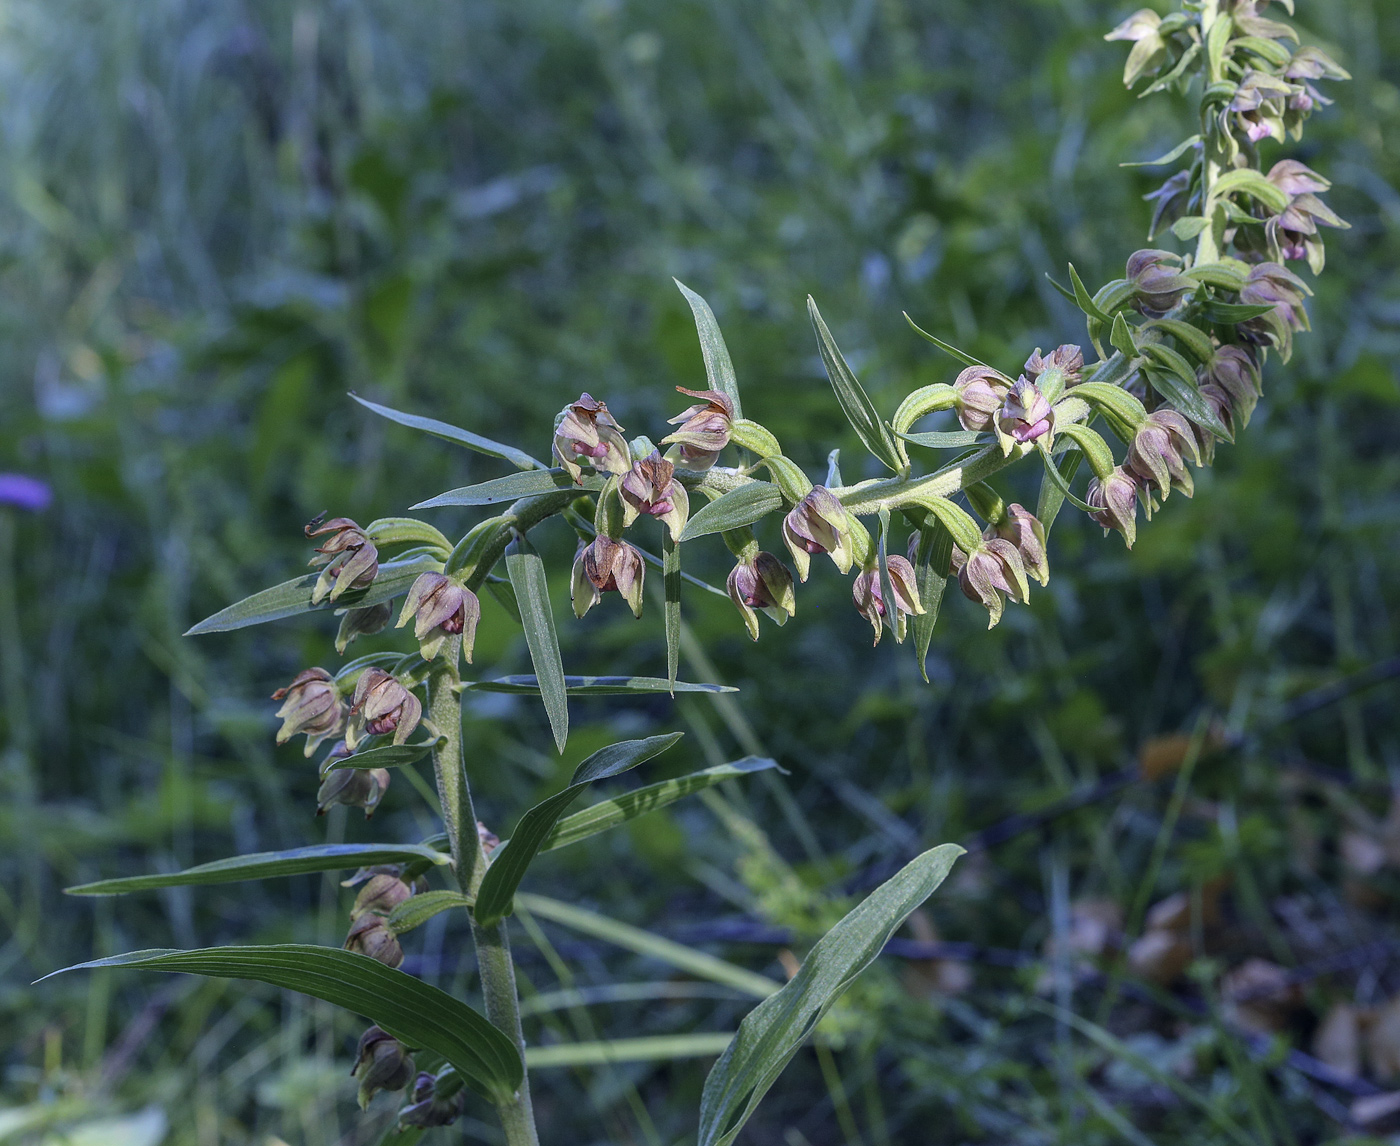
(1207, 251)
(870, 497)
(493, 959)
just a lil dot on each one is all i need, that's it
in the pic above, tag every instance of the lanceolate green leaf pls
(883, 571)
(678, 955)
(1054, 486)
(671, 607)
(266, 865)
(418, 909)
(1185, 397)
(737, 508)
(410, 1010)
(510, 488)
(385, 756)
(607, 814)
(527, 578)
(931, 565)
(772, 1032)
(1170, 157)
(510, 861)
(945, 439)
(294, 597)
(454, 434)
(594, 685)
(718, 367)
(1084, 300)
(947, 347)
(855, 402)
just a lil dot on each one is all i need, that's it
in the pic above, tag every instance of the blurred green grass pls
(219, 219)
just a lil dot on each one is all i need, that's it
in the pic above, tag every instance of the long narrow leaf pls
(385, 756)
(718, 367)
(931, 576)
(687, 959)
(607, 814)
(509, 488)
(772, 1032)
(454, 434)
(510, 861)
(294, 597)
(594, 685)
(671, 607)
(647, 1048)
(267, 865)
(855, 402)
(416, 910)
(945, 439)
(527, 578)
(737, 508)
(410, 1010)
(947, 347)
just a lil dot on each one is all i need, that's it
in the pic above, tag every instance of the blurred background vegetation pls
(218, 218)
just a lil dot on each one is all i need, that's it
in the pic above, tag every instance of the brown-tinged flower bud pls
(818, 524)
(1068, 359)
(980, 392)
(1259, 105)
(994, 568)
(381, 705)
(348, 557)
(1023, 529)
(1234, 374)
(869, 596)
(1114, 502)
(311, 705)
(369, 935)
(586, 434)
(1292, 234)
(440, 608)
(1308, 64)
(427, 1109)
(1024, 416)
(1143, 29)
(1271, 284)
(1158, 452)
(650, 487)
(353, 788)
(490, 841)
(381, 1063)
(704, 428)
(607, 566)
(1158, 283)
(762, 584)
(361, 623)
(381, 893)
(1294, 178)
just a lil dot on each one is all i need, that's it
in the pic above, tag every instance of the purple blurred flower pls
(25, 492)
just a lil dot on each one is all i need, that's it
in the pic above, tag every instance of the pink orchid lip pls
(1029, 433)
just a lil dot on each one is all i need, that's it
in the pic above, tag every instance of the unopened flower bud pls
(311, 705)
(869, 596)
(1234, 371)
(818, 524)
(427, 1109)
(762, 584)
(348, 557)
(1023, 529)
(1068, 360)
(1271, 284)
(586, 434)
(1158, 283)
(650, 487)
(370, 935)
(490, 841)
(704, 428)
(440, 608)
(352, 788)
(993, 569)
(1024, 416)
(1114, 501)
(607, 566)
(381, 1063)
(1158, 452)
(361, 623)
(980, 392)
(381, 893)
(379, 706)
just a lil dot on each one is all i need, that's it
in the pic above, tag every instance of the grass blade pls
(595, 685)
